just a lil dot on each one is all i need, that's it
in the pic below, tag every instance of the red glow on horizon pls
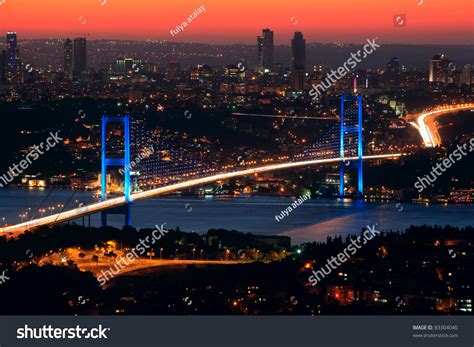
(321, 21)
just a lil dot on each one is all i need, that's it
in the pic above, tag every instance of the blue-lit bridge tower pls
(351, 128)
(123, 162)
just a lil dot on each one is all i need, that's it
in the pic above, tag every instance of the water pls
(314, 220)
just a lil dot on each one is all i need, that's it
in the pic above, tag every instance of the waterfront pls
(313, 220)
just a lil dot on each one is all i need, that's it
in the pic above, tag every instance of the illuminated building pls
(466, 75)
(68, 59)
(37, 183)
(80, 56)
(360, 80)
(265, 50)
(172, 71)
(201, 72)
(439, 69)
(298, 58)
(12, 64)
(392, 75)
(232, 71)
(128, 65)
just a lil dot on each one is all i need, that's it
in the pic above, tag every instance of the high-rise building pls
(265, 49)
(392, 75)
(13, 66)
(439, 69)
(172, 71)
(68, 59)
(361, 80)
(298, 59)
(466, 75)
(80, 56)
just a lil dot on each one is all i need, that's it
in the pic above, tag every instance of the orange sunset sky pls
(431, 21)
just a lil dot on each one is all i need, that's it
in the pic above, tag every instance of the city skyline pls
(425, 23)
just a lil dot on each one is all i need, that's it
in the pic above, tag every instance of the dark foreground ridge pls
(424, 270)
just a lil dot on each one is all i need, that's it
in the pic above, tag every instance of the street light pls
(201, 253)
(227, 252)
(194, 250)
(151, 254)
(161, 252)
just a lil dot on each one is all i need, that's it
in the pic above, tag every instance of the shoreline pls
(318, 197)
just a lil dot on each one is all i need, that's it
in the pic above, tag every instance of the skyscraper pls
(80, 56)
(68, 59)
(466, 74)
(13, 68)
(392, 75)
(265, 49)
(439, 67)
(172, 71)
(298, 58)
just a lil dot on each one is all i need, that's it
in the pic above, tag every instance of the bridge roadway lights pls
(346, 130)
(123, 162)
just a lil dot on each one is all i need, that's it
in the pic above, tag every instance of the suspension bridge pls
(342, 145)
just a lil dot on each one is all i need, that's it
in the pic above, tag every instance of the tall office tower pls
(298, 58)
(439, 69)
(80, 56)
(172, 71)
(466, 75)
(68, 59)
(13, 68)
(392, 75)
(361, 80)
(265, 49)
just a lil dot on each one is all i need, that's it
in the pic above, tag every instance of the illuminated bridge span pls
(114, 202)
(425, 122)
(341, 144)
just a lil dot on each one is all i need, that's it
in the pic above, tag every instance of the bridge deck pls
(15, 230)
